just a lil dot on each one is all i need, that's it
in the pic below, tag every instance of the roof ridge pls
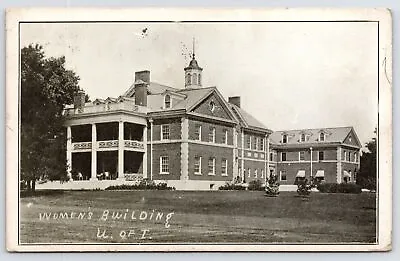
(344, 127)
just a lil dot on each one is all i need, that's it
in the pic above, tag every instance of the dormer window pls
(167, 101)
(302, 137)
(322, 136)
(284, 138)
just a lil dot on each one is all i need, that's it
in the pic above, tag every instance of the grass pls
(200, 217)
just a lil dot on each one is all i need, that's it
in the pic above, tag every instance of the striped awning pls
(301, 174)
(320, 174)
(346, 174)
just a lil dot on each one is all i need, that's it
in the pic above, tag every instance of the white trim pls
(226, 167)
(208, 167)
(252, 159)
(197, 173)
(308, 161)
(300, 160)
(225, 137)
(166, 141)
(212, 131)
(162, 132)
(210, 144)
(161, 172)
(200, 129)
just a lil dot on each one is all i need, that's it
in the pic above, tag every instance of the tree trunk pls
(33, 185)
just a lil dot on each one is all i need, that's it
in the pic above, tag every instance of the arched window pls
(199, 79)
(322, 136)
(188, 79)
(167, 101)
(194, 78)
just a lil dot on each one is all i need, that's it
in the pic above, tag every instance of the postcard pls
(165, 129)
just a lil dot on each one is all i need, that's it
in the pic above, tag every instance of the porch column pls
(120, 150)
(69, 152)
(145, 175)
(94, 153)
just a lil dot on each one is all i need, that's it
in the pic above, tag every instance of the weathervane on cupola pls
(193, 72)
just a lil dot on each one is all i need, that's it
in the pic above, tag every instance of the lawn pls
(197, 217)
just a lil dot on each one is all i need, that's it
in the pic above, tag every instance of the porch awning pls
(320, 174)
(346, 174)
(301, 174)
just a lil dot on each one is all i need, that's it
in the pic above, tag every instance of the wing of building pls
(193, 139)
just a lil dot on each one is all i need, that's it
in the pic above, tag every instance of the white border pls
(13, 16)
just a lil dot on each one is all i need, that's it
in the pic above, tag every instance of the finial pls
(193, 47)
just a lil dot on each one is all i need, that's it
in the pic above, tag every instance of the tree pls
(366, 176)
(46, 87)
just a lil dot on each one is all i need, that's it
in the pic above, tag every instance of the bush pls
(144, 184)
(304, 187)
(272, 187)
(339, 188)
(229, 186)
(256, 185)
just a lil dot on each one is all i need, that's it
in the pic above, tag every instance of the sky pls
(289, 75)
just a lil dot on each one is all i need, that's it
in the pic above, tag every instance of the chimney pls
(142, 80)
(234, 100)
(79, 100)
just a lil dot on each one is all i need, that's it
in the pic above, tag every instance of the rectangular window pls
(164, 165)
(224, 167)
(164, 132)
(349, 156)
(255, 143)
(225, 137)
(262, 144)
(255, 173)
(271, 156)
(197, 132)
(302, 137)
(248, 142)
(301, 155)
(211, 135)
(283, 156)
(345, 155)
(249, 173)
(320, 155)
(355, 156)
(283, 175)
(211, 166)
(197, 165)
(262, 173)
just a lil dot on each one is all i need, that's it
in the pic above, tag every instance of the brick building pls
(334, 153)
(192, 138)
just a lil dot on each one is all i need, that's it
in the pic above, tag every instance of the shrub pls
(229, 186)
(304, 187)
(256, 185)
(339, 188)
(272, 187)
(144, 184)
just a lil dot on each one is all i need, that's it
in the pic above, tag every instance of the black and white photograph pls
(193, 130)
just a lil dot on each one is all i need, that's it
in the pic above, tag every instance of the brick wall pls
(292, 169)
(172, 150)
(253, 165)
(293, 154)
(205, 129)
(174, 129)
(349, 167)
(207, 151)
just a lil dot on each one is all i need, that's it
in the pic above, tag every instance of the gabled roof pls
(153, 88)
(332, 135)
(246, 119)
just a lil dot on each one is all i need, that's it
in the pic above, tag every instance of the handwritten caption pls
(107, 216)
